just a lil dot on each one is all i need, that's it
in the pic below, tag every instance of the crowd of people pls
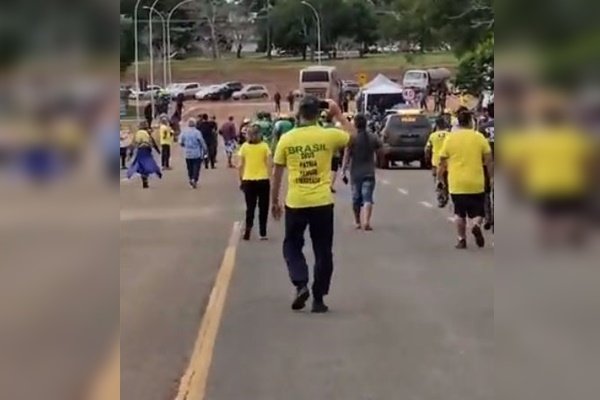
(317, 145)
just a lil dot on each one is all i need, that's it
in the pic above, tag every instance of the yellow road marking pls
(193, 383)
(107, 384)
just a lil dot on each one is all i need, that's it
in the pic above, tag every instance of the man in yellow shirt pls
(464, 154)
(307, 152)
(433, 149)
(166, 141)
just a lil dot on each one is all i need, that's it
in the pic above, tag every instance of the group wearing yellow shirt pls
(254, 168)
(463, 156)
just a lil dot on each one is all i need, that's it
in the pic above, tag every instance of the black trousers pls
(257, 193)
(123, 155)
(319, 221)
(212, 156)
(193, 168)
(165, 155)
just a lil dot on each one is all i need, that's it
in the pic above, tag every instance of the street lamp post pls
(164, 42)
(137, 59)
(151, 56)
(307, 4)
(169, 36)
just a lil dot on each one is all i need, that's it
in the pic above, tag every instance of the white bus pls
(322, 82)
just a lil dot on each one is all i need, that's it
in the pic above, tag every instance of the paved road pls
(411, 317)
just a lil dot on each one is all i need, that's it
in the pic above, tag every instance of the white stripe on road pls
(403, 191)
(426, 204)
(385, 181)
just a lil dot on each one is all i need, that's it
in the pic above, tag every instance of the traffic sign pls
(363, 79)
(409, 94)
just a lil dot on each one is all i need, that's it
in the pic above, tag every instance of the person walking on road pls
(432, 153)
(195, 150)
(291, 99)
(254, 156)
(143, 162)
(149, 114)
(277, 99)
(124, 143)
(464, 154)
(306, 152)
(360, 157)
(206, 127)
(229, 133)
(166, 141)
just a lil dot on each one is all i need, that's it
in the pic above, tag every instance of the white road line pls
(403, 191)
(385, 181)
(426, 204)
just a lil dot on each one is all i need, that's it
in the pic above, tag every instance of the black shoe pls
(246, 236)
(319, 307)
(302, 294)
(487, 226)
(462, 244)
(479, 239)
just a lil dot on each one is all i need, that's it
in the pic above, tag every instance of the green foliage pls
(476, 69)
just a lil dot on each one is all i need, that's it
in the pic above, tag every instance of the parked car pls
(145, 94)
(208, 92)
(252, 92)
(188, 89)
(227, 90)
(404, 137)
(350, 88)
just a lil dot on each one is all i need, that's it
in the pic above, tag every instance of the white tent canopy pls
(381, 84)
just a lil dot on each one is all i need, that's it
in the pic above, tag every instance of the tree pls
(127, 47)
(363, 26)
(476, 69)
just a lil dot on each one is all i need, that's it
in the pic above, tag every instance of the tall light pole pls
(307, 4)
(137, 60)
(169, 36)
(151, 56)
(164, 42)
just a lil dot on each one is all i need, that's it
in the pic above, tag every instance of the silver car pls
(251, 92)
(188, 89)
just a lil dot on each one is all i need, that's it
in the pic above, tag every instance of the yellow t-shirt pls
(256, 161)
(142, 138)
(166, 135)
(436, 141)
(307, 153)
(464, 150)
(555, 164)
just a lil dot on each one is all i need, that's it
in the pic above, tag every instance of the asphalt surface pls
(172, 242)
(411, 318)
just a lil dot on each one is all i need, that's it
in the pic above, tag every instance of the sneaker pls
(479, 239)
(246, 236)
(302, 294)
(462, 244)
(318, 307)
(264, 237)
(194, 185)
(368, 228)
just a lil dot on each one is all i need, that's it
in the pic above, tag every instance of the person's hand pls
(334, 109)
(276, 210)
(441, 185)
(241, 185)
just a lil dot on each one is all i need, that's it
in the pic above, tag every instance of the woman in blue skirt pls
(143, 161)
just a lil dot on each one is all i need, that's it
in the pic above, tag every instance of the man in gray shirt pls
(360, 158)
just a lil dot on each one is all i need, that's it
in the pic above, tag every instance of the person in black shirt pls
(208, 130)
